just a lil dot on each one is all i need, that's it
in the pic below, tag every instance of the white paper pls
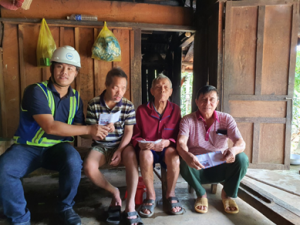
(154, 142)
(105, 119)
(211, 159)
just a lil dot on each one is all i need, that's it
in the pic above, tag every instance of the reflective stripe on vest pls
(38, 139)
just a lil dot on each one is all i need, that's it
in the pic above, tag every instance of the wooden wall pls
(259, 70)
(19, 65)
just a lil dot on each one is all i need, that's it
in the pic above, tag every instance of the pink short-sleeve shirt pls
(201, 139)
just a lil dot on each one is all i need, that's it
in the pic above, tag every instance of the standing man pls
(158, 120)
(208, 130)
(51, 113)
(114, 148)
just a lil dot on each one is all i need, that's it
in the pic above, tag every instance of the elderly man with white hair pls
(157, 123)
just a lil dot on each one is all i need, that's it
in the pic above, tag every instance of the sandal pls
(127, 221)
(149, 207)
(114, 214)
(230, 203)
(201, 202)
(171, 205)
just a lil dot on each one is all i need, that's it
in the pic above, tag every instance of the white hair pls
(159, 77)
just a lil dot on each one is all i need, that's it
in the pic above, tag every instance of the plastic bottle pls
(80, 17)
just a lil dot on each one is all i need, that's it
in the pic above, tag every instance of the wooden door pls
(259, 66)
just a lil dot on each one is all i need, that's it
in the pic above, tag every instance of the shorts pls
(108, 152)
(159, 157)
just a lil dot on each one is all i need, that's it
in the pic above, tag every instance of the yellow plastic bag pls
(106, 46)
(45, 47)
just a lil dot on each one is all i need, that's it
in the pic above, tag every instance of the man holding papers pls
(154, 139)
(116, 115)
(206, 132)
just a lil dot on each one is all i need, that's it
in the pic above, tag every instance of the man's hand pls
(116, 159)
(193, 162)
(111, 127)
(229, 155)
(98, 132)
(146, 146)
(159, 147)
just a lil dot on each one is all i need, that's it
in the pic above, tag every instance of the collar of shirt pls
(102, 102)
(51, 87)
(215, 114)
(167, 112)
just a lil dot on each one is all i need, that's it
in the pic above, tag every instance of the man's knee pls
(128, 155)
(172, 158)
(146, 158)
(242, 160)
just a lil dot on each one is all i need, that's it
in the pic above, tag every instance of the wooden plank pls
(260, 120)
(259, 97)
(69, 39)
(269, 205)
(10, 108)
(272, 143)
(99, 24)
(32, 73)
(246, 130)
(255, 143)
(106, 11)
(261, 2)
(259, 49)
(220, 84)
(257, 109)
(124, 41)
(277, 29)
(61, 36)
(136, 67)
(3, 124)
(268, 166)
(187, 41)
(21, 59)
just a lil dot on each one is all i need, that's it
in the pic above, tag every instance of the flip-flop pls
(127, 221)
(201, 202)
(149, 207)
(114, 214)
(171, 205)
(229, 202)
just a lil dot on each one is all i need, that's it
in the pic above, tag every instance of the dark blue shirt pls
(36, 103)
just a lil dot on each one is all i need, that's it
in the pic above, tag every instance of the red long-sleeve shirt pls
(151, 128)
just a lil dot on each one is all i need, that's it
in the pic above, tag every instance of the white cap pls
(66, 54)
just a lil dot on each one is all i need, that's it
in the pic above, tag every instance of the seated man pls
(113, 148)
(158, 120)
(51, 112)
(206, 131)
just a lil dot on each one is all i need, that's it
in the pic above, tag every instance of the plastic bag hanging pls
(106, 47)
(45, 47)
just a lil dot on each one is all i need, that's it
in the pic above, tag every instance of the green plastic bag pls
(106, 46)
(45, 47)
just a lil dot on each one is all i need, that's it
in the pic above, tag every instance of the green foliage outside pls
(186, 93)
(296, 109)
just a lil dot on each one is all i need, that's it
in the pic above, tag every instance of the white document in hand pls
(211, 159)
(154, 142)
(105, 119)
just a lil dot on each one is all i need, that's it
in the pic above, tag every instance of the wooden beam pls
(136, 67)
(190, 54)
(3, 125)
(187, 41)
(187, 63)
(21, 58)
(106, 11)
(269, 205)
(99, 24)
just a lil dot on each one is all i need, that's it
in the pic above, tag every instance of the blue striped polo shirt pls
(98, 106)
